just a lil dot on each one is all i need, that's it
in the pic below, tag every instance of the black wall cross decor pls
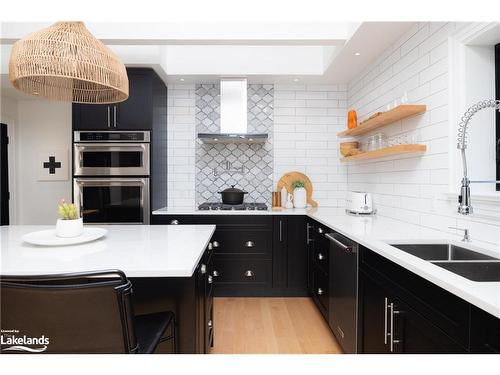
(52, 164)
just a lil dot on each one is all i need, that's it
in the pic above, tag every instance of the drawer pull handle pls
(320, 291)
(249, 273)
(215, 273)
(203, 269)
(249, 244)
(215, 244)
(321, 256)
(174, 222)
(209, 279)
(339, 330)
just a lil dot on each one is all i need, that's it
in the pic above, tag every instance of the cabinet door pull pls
(114, 115)
(209, 323)
(339, 330)
(320, 291)
(281, 231)
(249, 273)
(215, 244)
(393, 341)
(321, 256)
(174, 222)
(109, 117)
(320, 230)
(308, 237)
(210, 246)
(385, 320)
(215, 273)
(210, 279)
(203, 269)
(249, 244)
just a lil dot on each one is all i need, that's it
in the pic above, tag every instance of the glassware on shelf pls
(371, 143)
(380, 141)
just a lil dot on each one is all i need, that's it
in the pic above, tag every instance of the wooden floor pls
(271, 325)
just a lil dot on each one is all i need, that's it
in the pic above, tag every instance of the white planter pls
(299, 197)
(69, 228)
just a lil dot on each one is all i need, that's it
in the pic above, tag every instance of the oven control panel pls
(110, 136)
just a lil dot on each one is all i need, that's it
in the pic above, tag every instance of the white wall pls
(42, 124)
(181, 145)
(306, 120)
(413, 188)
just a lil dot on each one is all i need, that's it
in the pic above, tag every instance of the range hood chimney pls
(233, 115)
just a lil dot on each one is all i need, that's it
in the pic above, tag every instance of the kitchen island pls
(167, 266)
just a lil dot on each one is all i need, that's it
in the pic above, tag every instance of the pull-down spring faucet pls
(464, 200)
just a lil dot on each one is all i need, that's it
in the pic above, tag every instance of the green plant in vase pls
(299, 194)
(70, 224)
(67, 211)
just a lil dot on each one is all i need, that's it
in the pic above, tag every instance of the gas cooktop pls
(240, 207)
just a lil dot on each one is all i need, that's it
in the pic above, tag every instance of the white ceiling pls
(321, 52)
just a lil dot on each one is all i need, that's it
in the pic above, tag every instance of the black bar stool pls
(89, 312)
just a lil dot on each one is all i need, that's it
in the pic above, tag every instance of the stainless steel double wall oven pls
(111, 173)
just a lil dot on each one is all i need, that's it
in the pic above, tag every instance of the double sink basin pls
(467, 263)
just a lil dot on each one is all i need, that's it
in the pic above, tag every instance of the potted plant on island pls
(299, 194)
(70, 224)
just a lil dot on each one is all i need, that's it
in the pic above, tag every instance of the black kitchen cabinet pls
(372, 320)
(242, 254)
(290, 255)
(485, 332)
(204, 302)
(135, 113)
(92, 116)
(394, 320)
(318, 250)
(390, 325)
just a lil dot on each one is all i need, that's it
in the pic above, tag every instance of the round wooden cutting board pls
(287, 180)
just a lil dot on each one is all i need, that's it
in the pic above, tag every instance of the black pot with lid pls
(232, 195)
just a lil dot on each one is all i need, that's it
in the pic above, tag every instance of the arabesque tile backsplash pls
(256, 159)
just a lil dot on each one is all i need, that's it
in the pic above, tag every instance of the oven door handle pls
(110, 181)
(103, 147)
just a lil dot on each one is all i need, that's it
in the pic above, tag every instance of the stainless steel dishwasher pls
(343, 275)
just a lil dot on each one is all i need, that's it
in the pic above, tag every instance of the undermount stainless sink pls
(435, 252)
(467, 263)
(475, 271)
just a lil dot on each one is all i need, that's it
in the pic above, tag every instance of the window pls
(497, 96)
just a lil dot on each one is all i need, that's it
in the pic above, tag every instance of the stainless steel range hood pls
(233, 115)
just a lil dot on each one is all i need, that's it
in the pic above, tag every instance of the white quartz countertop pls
(378, 232)
(138, 250)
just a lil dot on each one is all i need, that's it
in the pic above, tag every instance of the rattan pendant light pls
(66, 62)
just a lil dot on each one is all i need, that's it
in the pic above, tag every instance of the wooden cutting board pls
(287, 180)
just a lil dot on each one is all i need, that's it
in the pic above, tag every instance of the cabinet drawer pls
(244, 241)
(320, 290)
(242, 270)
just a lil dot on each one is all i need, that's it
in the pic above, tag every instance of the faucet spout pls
(464, 200)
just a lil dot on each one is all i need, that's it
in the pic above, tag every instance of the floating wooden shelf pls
(388, 151)
(384, 118)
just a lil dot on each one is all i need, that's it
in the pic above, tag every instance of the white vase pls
(69, 228)
(299, 197)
